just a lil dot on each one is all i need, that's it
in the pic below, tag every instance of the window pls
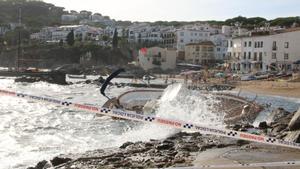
(249, 43)
(260, 56)
(197, 48)
(245, 44)
(218, 49)
(181, 33)
(245, 55)
(249, 55)
(255, 56)
(192, 34)
(181, 40)
(286, 56)
(273, 55)
(274, 46)
(286, 44)
(261, 44)
(255, 45)
(231, 44)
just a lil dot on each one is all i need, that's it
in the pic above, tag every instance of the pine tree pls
(70, 38)
(115, 39)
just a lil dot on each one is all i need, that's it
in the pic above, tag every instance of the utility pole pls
(19, 39)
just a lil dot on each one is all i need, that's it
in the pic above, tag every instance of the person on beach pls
(166, 80)
(186, 79)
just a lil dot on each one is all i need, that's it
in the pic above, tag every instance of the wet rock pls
(189, 147)
(242, 142)
(59, 160)
(206, 146)
(28, 79)
(40, 165)
(51, 77)
(235, 127)
(113, 159)
(295, 121)
(160, 165)
(88, 81)
(263, 125)
(179, 160)
(126, 145)
(136, 148)
(165, 146)
(276, 115)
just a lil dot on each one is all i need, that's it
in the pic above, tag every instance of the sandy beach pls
(279, 88)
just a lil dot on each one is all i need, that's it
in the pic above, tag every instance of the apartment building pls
(220, 41)
(202, 53)
(264, 51)
(186, 36)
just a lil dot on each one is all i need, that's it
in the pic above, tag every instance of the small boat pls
(77, 76)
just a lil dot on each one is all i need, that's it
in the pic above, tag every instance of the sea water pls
(31, 131)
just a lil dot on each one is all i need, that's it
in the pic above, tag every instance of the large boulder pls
(59, 160)
(276, 115)
(295, 122)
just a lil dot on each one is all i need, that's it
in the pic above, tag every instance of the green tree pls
(105, 38)
(115, 39)
(61, 43)
(70, 38)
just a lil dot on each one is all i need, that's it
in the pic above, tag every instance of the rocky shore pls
(178, 150)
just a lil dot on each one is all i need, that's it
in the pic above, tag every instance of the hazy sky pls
(183, 10)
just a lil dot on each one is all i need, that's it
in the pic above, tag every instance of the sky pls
(183, 10)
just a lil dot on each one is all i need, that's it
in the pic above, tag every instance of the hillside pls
(35, 14)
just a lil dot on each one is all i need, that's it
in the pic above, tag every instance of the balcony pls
(156, 62)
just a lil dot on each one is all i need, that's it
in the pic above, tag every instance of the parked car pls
(149, 77)
(248, 78)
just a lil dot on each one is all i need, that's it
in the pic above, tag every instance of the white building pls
(265, 52)
(136, 30)
(220, 41)
(81, 32)
(203, 27)
(157, 57)
(185, 36)
(68, 18)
